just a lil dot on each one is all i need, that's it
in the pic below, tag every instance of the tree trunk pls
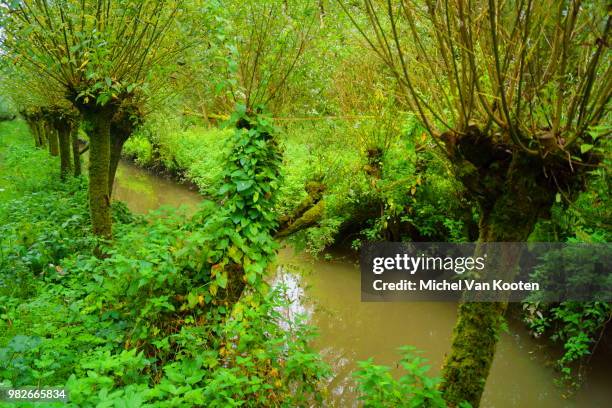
(479, 324)
(64, 148)
(508, 215)
(33, 126)
(99, 160)
(53, 140)
(40, 133)
(76, 150)
(118, 139)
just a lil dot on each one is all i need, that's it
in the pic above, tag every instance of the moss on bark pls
(99, 160)
(64, 149)
(512, 192)
(308, 219)
(124, 121)
(76, 151)
(473, 347)
(53, 139)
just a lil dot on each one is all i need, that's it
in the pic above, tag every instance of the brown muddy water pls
(328, 292)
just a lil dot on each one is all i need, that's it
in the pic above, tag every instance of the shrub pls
(414, 389)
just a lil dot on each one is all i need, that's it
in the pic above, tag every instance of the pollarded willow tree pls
(99, 53)
(52, 119)
(516, 93)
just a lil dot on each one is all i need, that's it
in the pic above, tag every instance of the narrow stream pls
(328, 291)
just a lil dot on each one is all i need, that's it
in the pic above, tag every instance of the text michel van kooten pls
(458, 265)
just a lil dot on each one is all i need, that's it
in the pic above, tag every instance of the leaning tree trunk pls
(512, 191)
(479, 324)
(118, 139)
(125, 120)
(99, 160)
(63, 132)
(76, 150)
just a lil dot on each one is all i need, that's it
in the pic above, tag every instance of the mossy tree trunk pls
(40, 132)
(512, 191)
(99, 160)
(34, 130)
(63, 131)
(76, 150)
(40, 137)
(479, 324)
(53, 139)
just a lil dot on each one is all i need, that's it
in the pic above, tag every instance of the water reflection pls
(351, 331)
(143, 191)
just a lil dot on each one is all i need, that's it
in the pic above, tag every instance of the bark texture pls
(512, 192)
(99, 160)
(76, 150)
(117, 142)
(479, 324)
(53, 140)
(64, 148)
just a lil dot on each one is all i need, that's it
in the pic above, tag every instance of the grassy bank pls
(375, 189)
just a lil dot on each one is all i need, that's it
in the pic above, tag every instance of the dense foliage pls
(134, 327)
(319, 124)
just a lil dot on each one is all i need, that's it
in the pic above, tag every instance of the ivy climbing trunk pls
(76, 151)
(64, 149)
(508, 214)
(99, 159)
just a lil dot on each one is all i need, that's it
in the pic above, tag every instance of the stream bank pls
(328, 292)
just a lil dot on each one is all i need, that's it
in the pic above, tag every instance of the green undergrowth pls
(195, 153)
(413, 389)
(140, 327)
(391, 195)
(577, 326)
(376, 187)
(149, 324)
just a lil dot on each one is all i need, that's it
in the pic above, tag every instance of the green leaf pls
(235, 254)
(251, 277)
(585, 147)
(192, 300)
(222, 280)
(243, 185)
